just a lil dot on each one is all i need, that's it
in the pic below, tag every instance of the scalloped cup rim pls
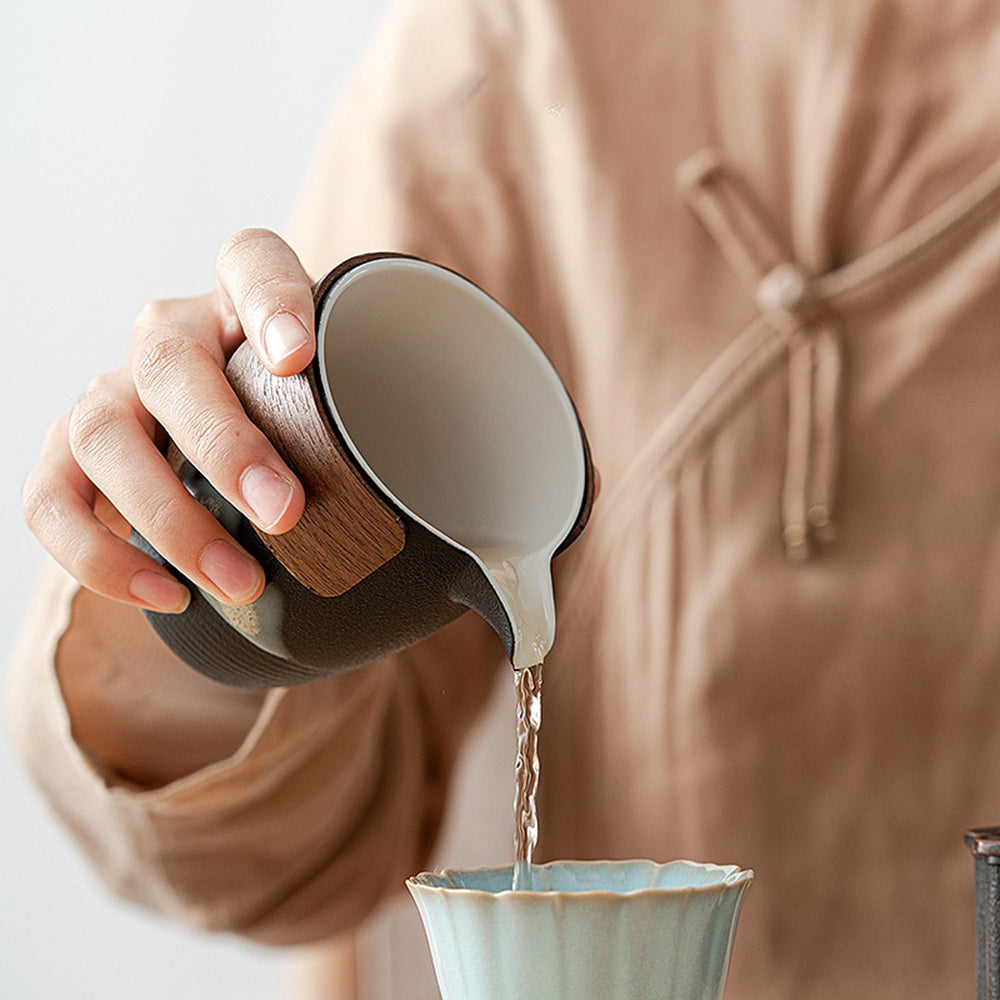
(734, 876)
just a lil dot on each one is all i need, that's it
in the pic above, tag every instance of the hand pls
(102, 466)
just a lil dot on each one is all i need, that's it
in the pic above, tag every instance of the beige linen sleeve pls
(333, 798)
(336, 793)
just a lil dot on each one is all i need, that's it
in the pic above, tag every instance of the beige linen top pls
(761, 243)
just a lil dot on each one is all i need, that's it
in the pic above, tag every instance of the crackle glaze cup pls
(587, 930)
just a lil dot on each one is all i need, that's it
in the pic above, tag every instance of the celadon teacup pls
(586, 930)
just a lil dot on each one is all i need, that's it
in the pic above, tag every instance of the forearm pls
(327, 803)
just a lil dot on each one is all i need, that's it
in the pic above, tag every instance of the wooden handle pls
(346, 531)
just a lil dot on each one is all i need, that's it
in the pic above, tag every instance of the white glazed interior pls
(445, 400)
(448, 404)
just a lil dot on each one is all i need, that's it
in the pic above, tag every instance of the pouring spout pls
(524, 585)
(513, 592)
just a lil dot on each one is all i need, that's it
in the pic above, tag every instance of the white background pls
(135, 137)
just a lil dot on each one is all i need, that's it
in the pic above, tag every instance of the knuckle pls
(267, 292)
(236, 246)
(215, 437)
(153, 313)
(157, 358)
(91, 566)
(57, 433)
(100, 385)
(91, 421)
(167, 518)
(39, 502)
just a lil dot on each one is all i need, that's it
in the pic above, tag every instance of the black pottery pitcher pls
(444, 466)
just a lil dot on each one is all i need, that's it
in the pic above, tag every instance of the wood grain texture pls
(346, 531)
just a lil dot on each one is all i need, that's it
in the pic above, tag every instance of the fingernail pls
(267, 494)
(284, 334)
(159, 592)
(230, 570)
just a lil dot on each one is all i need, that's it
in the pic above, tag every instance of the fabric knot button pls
(697, 169)
(784, 291)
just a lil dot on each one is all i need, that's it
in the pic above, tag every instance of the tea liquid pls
(525, 583)
(528, 688)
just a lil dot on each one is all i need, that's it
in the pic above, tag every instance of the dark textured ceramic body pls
(427, 584)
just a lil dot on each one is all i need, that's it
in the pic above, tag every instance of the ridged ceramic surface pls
(587, 930)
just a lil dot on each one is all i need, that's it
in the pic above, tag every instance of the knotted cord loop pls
(789, 297)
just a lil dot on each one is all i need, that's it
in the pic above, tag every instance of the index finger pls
(272, 296)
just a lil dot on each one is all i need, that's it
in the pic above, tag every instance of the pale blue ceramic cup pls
(587, 930)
